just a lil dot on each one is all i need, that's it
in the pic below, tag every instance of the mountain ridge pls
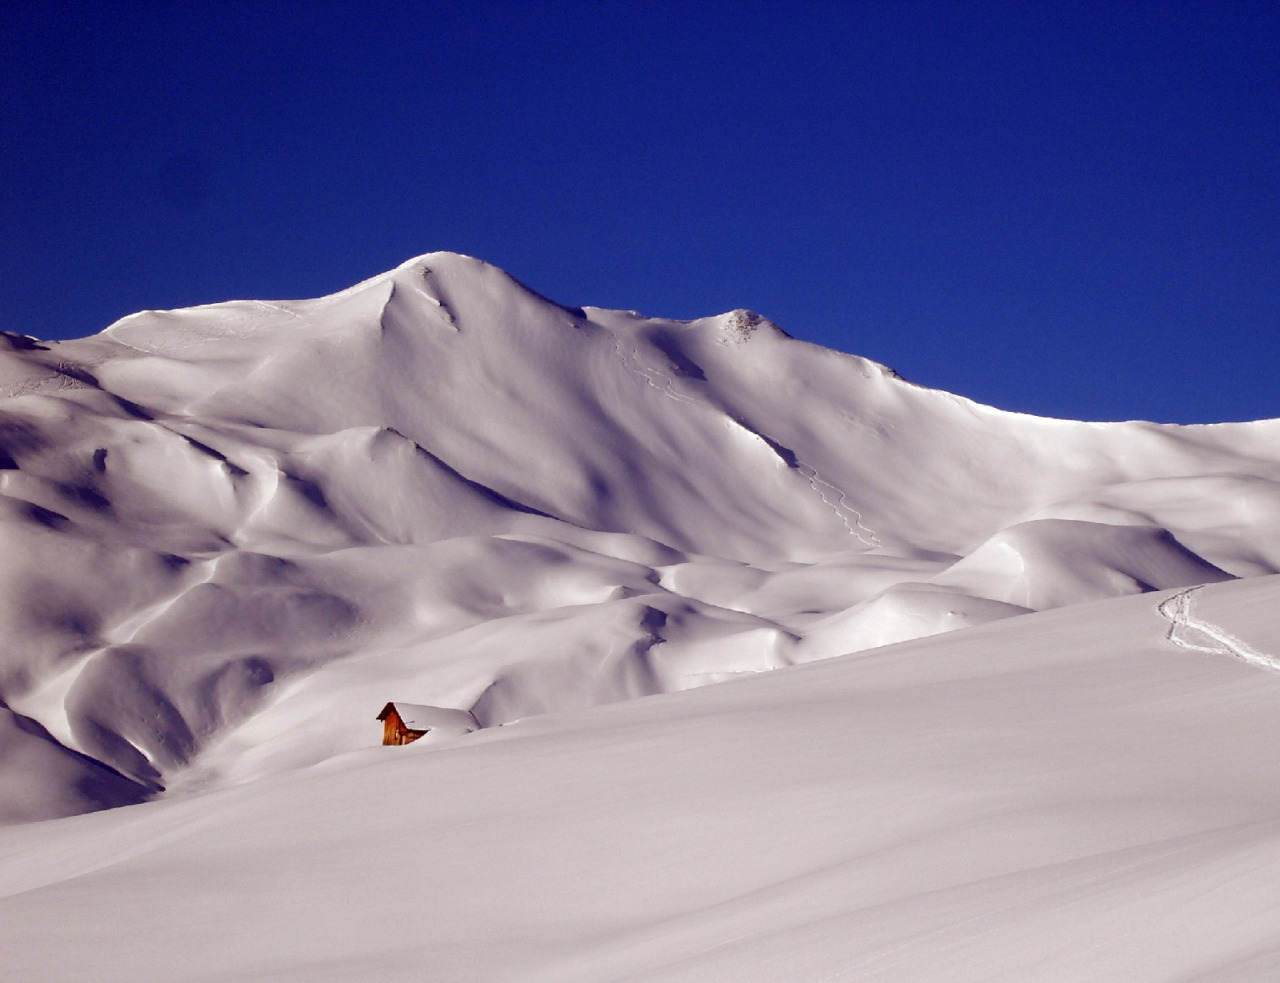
(248, 520)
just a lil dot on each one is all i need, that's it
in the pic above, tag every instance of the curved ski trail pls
(830, 496)
(840, 506)
(1189, 632)
(633, 365)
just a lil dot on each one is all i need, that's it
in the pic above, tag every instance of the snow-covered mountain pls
(233, 533)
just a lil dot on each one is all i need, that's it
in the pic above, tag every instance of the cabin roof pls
(419, 716)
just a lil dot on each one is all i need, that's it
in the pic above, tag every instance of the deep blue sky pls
(1070, 209)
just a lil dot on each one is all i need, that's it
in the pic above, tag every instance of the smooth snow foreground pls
(233, 533)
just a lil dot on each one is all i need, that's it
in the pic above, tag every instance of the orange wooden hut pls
(404, 723)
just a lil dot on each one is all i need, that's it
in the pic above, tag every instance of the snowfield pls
(785, 669)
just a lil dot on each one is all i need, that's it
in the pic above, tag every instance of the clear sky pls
(1070, 209)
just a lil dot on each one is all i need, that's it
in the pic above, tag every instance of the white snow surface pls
(1030, 743)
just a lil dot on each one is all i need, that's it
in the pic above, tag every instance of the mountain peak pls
(479, 491)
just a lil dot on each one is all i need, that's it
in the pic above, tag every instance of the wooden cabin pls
(404, 723)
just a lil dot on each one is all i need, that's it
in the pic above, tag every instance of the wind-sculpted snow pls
(232, 533)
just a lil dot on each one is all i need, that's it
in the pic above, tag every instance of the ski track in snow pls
(276, 307)
(633, 365)
(831, 496)
(1186, 631)
(840, 506)
(58, 377)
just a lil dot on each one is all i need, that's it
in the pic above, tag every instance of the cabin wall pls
(395, 733)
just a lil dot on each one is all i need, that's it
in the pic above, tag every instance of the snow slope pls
(1058, 797)
(233, 533)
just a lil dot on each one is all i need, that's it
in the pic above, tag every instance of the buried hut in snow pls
(404, 723)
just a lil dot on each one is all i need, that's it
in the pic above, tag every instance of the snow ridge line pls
(839, 504)
(1182, 623)
(128, 629)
